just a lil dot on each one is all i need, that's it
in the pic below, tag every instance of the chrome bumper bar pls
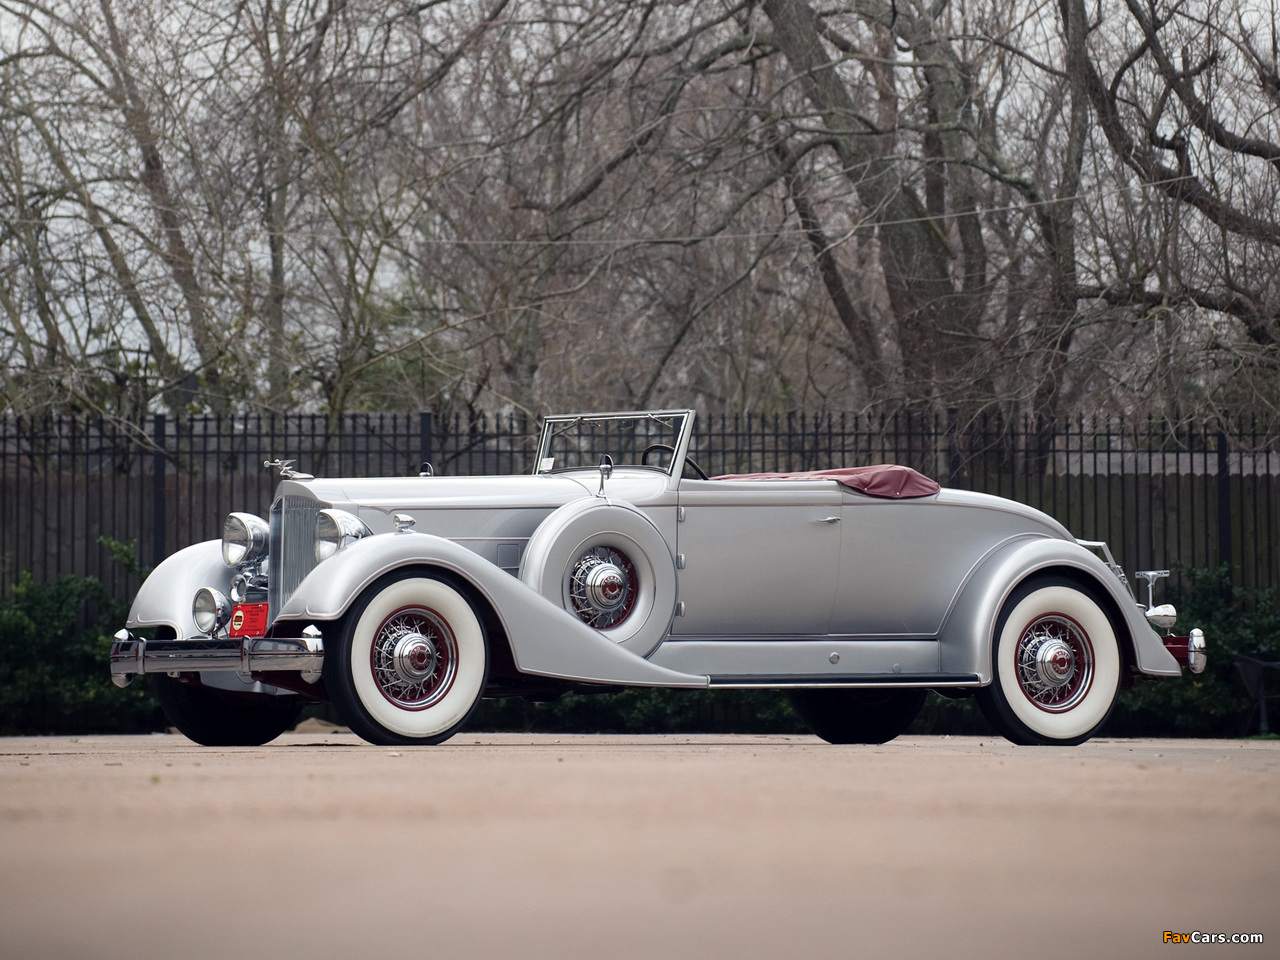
(130, 655)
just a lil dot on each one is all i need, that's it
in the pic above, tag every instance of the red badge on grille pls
(249, 620)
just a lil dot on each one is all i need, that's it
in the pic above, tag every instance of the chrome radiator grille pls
(293, 525)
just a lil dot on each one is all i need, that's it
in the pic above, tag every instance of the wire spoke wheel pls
(603, 587)
(1056, 664)
(1054, 661)
(606, 564)
(410, 662)
(414, 657)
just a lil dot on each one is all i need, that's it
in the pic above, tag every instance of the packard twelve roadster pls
(619, 562)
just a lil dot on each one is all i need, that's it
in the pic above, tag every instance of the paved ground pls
(635, 847)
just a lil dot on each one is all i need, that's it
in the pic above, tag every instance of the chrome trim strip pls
(797, 638)
(852, 680)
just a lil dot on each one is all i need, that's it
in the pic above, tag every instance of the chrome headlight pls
(335, 529)
(210, 610)
(245, 539)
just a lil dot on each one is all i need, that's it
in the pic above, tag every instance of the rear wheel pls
(410, 663)
(223, 718)
(858, 715)
(1056, 660)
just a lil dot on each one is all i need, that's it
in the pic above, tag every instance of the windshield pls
(581, 441)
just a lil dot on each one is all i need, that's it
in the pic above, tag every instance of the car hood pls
(390, 494)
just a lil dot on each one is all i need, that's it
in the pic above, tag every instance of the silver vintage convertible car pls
(619, 562)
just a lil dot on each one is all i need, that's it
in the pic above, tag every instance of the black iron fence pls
(1158, 494)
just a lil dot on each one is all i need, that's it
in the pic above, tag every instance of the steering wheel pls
(667, 448)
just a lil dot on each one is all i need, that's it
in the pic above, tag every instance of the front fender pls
(968, 631)
(164, 599)
(545, 640)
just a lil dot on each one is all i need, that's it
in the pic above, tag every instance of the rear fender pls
(968, 630)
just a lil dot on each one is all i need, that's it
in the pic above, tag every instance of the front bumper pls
(243, 655)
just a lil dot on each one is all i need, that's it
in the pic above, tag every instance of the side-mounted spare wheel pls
(608, 565)
(410, 660)
(1056, 664)
(224, 718)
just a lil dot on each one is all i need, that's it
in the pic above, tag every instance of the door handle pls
(829, 520)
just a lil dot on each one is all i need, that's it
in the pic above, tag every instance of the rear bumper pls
(244, 655)
(1189, 650)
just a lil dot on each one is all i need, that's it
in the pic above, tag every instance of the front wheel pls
(224, 718)
(858, 715)
(410, 663)
(1056, 661)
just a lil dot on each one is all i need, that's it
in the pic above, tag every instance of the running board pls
(849, 680)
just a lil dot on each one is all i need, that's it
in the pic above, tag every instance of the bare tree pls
(519, 204)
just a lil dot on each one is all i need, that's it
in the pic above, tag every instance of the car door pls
(890, 556)
(903, 561)
(757, 558)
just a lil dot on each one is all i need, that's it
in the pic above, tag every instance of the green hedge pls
(1212, 704)
(645, 710)
(54, 642)
(1236, 623)
(55, 637)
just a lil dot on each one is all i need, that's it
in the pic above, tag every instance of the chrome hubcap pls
(414, 657)
(1054, 663)
(603, 587)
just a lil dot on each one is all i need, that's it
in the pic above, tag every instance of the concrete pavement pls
(532, 846)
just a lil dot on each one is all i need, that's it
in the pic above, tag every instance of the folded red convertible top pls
(882, 480)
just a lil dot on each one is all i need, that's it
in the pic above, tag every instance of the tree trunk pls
(913, 253)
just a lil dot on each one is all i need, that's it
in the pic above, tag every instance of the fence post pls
(424, 432)
(157, 491)
(953, 447)
(1224, 498)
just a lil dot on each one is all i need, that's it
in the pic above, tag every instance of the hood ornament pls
(286, 469)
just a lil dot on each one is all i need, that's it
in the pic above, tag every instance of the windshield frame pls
(554, 426)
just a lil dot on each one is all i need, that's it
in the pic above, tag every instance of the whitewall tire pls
(1057, 665)
(411, 661)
